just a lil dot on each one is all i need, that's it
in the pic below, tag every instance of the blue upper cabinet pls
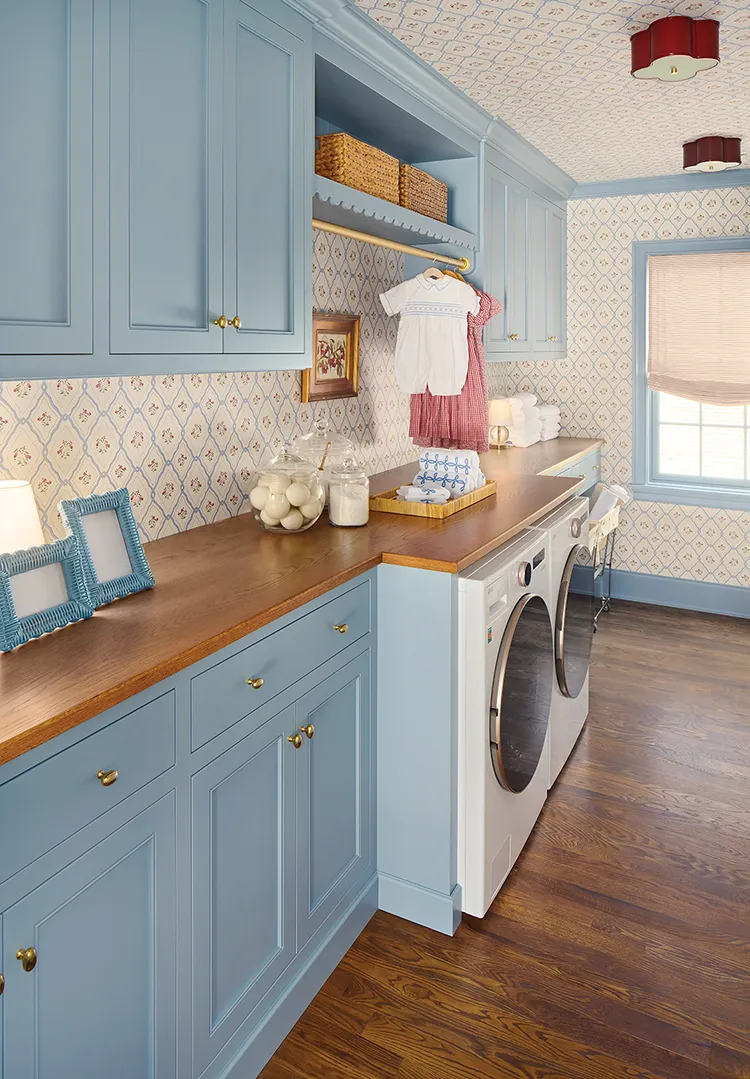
(46, 66)
(165, 176)
(267, 179)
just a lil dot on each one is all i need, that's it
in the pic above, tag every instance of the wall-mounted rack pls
(463, 264)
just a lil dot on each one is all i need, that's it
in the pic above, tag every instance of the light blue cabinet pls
(548, 280)
(46, 73)
(101, 995)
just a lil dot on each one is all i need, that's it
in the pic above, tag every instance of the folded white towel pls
(456, 470)
(524, 440)
(548, 425)
(549, 410)
(547, 436)
(533, 427)
(527, 398)
(438, 495)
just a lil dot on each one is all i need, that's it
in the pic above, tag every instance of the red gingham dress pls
(459, 422)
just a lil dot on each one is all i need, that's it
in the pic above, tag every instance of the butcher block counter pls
(220, 582)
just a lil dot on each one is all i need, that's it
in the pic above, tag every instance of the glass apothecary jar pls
(349, 495)
(326, 449)
(287, 494)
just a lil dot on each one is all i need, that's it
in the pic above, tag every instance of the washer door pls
(574, 629)
(521, 694)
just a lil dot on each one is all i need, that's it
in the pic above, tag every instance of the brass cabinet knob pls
(235, 322)
(342, 627)
(2, 984)
(553, 338)
(107, 778)
(27, 957)
(222, 321)
(255, 683)
(309, 730)
(512, 336)
(295, 739)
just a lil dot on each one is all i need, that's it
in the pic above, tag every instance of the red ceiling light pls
(711, 154)
(674, 48)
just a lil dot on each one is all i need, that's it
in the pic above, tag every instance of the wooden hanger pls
(432, 273)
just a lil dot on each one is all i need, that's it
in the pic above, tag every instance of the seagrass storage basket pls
(348, 161)
(422, 193)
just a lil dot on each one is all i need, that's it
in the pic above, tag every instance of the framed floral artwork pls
(335, 366)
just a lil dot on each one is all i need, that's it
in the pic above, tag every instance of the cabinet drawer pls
(62, 794)
(223, 695)
(589, 468)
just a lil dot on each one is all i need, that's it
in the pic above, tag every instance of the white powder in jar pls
(349, 504)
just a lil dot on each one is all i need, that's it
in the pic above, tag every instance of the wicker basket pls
(348, 161)
(422, 193)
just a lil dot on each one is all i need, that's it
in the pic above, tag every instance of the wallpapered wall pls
(593, 384)
(185, 446)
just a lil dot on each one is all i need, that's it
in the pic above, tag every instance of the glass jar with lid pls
(349, 495)
(287, 494)
(325, 448)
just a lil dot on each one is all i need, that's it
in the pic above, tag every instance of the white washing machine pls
(567, 530)
(506, 675)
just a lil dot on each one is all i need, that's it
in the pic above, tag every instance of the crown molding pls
(653, 185)
(506, 141)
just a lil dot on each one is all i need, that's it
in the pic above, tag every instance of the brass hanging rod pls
(462, 265)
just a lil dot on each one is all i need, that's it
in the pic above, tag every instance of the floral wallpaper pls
(186, 445)
(593, 384)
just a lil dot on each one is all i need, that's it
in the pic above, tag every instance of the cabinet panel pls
(495, 338)
(556, 279)
(102, 996)
(243, 880)
(517, 268)
(268, 154)
(538, 286)
(165, 182)
(333, 819)
(46, 68)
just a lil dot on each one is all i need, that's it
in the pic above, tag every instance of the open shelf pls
(341, 205)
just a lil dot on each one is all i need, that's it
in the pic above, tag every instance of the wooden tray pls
(387, 502)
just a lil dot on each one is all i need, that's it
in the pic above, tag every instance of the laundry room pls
(374, 539)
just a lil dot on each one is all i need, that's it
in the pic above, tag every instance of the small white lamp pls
(501, 418)
(20, 526)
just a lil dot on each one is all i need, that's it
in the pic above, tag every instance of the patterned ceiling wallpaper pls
(185, 445)
(559, 73)
(593, 384)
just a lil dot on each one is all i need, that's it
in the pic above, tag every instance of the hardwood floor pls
(620, 945)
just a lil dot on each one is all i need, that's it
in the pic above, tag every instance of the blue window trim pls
(647, 486)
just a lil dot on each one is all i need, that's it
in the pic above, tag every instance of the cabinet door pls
(101, 998)
(46, 68)
(556, 279)
(495, 334)
(538, 272)
(267, 201)
(333, 793)
(518, 269)
(243, 880)
(165, 176)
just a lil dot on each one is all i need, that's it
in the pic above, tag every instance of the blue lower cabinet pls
(94, 992)
(243, 881)
(334, 843)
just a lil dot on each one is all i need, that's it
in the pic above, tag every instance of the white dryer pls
(506, 676)
(568, 530)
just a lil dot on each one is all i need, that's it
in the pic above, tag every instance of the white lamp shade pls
(500, 413)
(20, 526)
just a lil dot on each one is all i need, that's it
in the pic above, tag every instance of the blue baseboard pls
(672, 592)
(420, 905)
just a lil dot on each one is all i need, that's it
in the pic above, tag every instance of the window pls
(684, 450)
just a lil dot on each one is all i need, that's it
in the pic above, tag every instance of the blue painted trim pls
(73, 511)
(652, 185)
(678, 592)
(65, 553)
(723, 498)
(420, 905)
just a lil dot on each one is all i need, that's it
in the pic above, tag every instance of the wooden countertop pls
(216, 584)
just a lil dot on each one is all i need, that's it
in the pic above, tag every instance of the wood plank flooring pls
(620, 945)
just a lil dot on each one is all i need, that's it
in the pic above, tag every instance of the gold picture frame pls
(335, 367)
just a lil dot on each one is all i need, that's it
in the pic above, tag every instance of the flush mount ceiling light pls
(713, 153)
(674, 49)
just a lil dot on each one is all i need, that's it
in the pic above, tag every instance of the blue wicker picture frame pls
(15, 630)
(74, 510)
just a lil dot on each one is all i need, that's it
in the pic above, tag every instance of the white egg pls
(268, 520)
(293, 520)
(277, 505)
(297, 494)
(311, 509)
(259, 497)
(279, 482)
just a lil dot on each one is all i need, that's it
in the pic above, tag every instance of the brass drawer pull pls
(234, 322)
(309, 730)
(295, 739)
(221, 322)
(27, 957)
(342, 627)
(2, 984)
(512, 336)
(255, 683)
(107, 778)
(553, 338)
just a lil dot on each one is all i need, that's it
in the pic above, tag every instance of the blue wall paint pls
(648, 185)
(672, 592)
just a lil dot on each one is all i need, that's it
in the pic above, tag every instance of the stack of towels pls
(444, 474)
(550, 419)
(526, 424)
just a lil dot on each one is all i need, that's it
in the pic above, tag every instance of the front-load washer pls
(506, 675)
(573, 613)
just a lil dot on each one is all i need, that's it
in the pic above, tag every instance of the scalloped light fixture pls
(713, 153)
(674, 48)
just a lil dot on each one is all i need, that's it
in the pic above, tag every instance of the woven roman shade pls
(699, 326)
